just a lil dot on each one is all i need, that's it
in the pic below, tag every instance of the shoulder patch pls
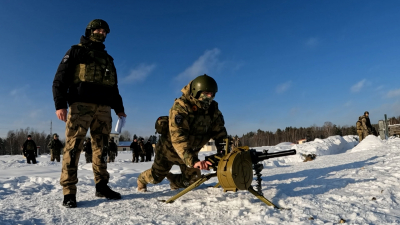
(65, 59)
(178, 119)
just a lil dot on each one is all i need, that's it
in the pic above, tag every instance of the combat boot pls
(172, 184)
(69, 201)
(103, 190)
(141, 187)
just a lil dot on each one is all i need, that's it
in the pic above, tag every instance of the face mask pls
(97, 37)
(205, 100)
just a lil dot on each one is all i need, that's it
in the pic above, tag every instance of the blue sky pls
(277, 63)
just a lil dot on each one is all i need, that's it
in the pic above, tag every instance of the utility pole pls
(51, 127)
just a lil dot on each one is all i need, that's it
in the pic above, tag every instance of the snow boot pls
(69, 201)
(103, 190)
(141, 187)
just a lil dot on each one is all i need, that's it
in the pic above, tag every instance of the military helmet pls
(96, 24)
(203, 83)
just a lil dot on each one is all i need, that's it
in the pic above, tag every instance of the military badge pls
(178, 119)
(194, 108)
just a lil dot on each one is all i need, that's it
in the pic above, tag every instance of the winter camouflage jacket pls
(191, 127)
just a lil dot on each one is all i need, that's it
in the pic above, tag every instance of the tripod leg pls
(202, 179)
(262, 198)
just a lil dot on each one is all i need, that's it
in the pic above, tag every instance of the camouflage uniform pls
(142, 152)
(86, 79)
(190, 128)
(55, 147)
(360, 129)
(135, 150)
(112, 151)
(366, 126)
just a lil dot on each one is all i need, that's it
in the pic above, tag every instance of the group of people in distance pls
(141, 150)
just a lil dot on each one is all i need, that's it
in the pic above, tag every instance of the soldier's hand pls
(203, 165)
(121, 114)
(62, 114)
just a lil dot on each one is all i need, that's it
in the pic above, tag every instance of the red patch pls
(194, 108)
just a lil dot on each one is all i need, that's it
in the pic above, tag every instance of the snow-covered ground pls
(359, 184)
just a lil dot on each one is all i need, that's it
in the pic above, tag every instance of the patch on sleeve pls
(178, 119)
(65, 59)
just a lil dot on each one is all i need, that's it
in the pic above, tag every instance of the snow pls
(339, 184)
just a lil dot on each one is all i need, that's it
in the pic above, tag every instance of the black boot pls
(103, 190)
(69, 201)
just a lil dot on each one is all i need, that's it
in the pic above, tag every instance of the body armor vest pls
(97, 68)
(30, 146)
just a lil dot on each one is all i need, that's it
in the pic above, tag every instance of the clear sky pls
(277, 63)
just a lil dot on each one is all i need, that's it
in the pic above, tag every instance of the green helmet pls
(96, 24)
(203, 83)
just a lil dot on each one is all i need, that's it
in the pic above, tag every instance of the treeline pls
(12, 144)
(294, 134)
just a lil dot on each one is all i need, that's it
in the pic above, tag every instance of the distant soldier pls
(149, 150)
(112, 150)
(87, 148)
(366, 124)
(135, 150)
(235, 142)
(360, 129)
(30, 150)
(193, 120)
(142, 150)
(55, 147)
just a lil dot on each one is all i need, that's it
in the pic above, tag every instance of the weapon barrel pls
(263, 156)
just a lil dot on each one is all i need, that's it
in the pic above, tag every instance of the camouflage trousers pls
(111, 157)
(360, 135)
(55, 157)
(163, 162)
(81, 117)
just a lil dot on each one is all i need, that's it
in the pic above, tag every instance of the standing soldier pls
(366, 124)
(55, 147)
(112, 150)
(87, 148)
(142, 150)
(135, 150)
(193, 120)
(30, 150)
(360, 129)
(86, 80)
(149, 150)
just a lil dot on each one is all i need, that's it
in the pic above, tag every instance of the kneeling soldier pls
(193, 120)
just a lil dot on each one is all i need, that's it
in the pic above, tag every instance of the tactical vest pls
(97, 68)
(30, 146)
